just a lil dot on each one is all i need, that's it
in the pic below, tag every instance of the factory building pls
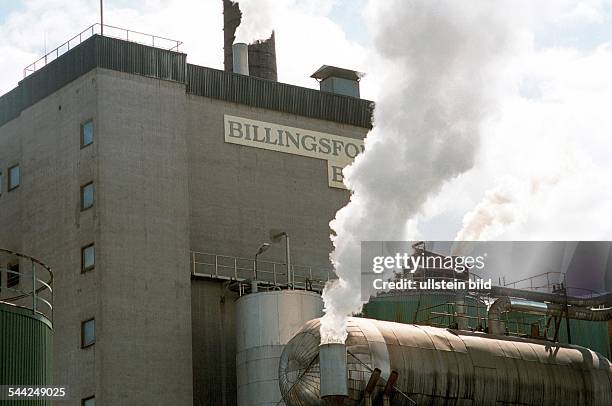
(184, 214)
(148, 185)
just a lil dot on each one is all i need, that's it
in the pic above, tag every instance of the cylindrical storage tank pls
(439, 366)
(26, 349)
(421, 307)
(266, 321)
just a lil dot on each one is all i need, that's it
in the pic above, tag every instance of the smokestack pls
(262, 53)
(240, 55)
(332, 362)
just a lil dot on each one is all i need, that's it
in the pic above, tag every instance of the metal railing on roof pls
(29, 283)
(230, 268)
(107, 31)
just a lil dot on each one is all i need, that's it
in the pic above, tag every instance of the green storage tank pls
(26, 341)
(589, 334)
(26, 324)
(423, 307)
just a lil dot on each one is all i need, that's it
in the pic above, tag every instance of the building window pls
(87, 133)
(12, 277)
(88, 258)
(88, 333)
(90, 401)
(1, 183)
(14, 177)
(87, 196)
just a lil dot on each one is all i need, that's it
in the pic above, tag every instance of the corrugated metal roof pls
(130, 57)
(277, 96)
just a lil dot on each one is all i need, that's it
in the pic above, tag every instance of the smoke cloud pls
(257, 19)
(446, 61)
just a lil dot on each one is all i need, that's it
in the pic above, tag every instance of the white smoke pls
(257, 21)
(448, 59)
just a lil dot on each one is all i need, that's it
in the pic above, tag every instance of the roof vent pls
(338, 80)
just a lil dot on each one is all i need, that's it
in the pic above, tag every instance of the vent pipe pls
(332, 363)
(240, 55)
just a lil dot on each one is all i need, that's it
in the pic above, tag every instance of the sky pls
(539, 167)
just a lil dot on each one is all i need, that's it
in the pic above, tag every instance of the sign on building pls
(338, 151)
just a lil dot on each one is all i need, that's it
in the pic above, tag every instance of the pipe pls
(333, 380)
(389, 387)
(603, 299)
(371, 386)
(506, 304)
(240, 55)
(462, 321)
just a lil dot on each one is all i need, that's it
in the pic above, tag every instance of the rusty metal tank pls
(448, 367)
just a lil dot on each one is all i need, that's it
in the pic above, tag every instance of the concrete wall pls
(145, 318)
(238, 193)
(139, 292)
(42, 216)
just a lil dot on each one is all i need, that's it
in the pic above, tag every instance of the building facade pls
(117, 170)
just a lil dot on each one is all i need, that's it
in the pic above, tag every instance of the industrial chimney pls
(261, 53)
(240, 58)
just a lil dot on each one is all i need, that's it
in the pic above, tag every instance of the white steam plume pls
(447, 57)
(257, 20)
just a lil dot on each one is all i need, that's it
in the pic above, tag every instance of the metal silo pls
(448, 367)
(26, 329)
(266, 321)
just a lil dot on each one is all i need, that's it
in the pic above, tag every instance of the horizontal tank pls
(440, 366)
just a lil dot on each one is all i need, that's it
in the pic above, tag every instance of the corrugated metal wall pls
(140, 59)
(26, 349)
(158, 63)
(130, 57)
(94, 52)
(282, 97)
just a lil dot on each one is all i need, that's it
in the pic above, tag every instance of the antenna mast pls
(101, 18)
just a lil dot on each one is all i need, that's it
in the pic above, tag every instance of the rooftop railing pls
(230, 268)
(26, 282)
(107, 31)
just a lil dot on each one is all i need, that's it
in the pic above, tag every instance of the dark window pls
(87, 196)
(87, 133)
(90, 401)
(88, 258)
(14, 177)
(1, 183)
(88, 333)
(12, 277)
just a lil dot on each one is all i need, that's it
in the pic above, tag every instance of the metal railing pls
(107, 31)
(549, 282)
(32, 283)
(225, 267)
